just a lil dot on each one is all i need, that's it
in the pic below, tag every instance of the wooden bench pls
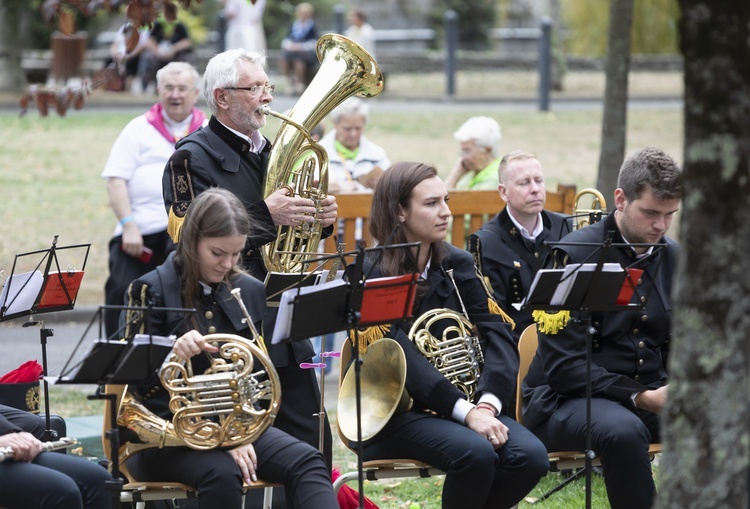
(470, 209)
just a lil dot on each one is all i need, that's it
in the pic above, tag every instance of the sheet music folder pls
(32, 292)
(324, 308)
(593, 286)
(119, 361)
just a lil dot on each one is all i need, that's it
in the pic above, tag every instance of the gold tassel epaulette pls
(550, 323)
(174, 226)
(495, 309)
(368, 336)
(183, 193)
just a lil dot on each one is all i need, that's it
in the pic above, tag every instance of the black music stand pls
(44, 289)
(339, 305)
(594, 291)
(132, 360)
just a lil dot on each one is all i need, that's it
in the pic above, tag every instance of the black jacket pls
(510, 263)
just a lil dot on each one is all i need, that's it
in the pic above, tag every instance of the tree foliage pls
(707, 439)
(654, 27)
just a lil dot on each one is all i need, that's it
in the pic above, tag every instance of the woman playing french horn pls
(200, 274)
(490, 460)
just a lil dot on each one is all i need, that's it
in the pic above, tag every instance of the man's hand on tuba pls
(192, 343)
(328, 211)
(289, 210)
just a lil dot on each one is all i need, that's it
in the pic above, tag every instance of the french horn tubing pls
(229, 405)
(584, 216)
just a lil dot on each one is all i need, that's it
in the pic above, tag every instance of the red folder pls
(53, 295)
(388, 299)
(628, 287)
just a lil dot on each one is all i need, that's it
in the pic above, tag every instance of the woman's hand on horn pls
(246, 459)
(191, 344)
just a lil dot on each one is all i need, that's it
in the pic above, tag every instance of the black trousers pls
(52, 480)
(619, 436)
(124, 269)
(281, 459)
(477, 476)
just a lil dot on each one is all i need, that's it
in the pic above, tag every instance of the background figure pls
(126, 63)
(245, 25)
(630, 347)
(361, 32)
(230, 152)
(45, 480)
(355, 163)
(134, 172)
(490, 460)
(510, 248)
(200, 274)
(167, 42)
(300, 57)
(476, 168)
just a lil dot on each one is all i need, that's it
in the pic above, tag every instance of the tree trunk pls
(707, 436)
(615, 118)
(11, 41)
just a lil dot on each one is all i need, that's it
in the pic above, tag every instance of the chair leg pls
(267, 497)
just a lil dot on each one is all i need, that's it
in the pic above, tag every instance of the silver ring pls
(491, 438)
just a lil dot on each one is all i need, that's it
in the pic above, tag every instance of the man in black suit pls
(45, 480)
(230, 152)
(628, 370)
(511, 248)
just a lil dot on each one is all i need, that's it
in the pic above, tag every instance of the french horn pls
(229, 405)
(298, 163)
(587, 215)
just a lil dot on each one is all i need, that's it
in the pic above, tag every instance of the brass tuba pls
(593, 214)
(215, 409)
(298, 163)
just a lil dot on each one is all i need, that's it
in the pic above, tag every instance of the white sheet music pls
(20, 292)
(283, 327)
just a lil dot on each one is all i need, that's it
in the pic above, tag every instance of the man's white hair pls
(484, 131)
(222, 72)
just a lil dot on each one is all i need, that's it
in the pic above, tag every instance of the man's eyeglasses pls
(255, 89)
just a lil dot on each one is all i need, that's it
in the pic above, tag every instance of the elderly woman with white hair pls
(355, 163)
(476, 168)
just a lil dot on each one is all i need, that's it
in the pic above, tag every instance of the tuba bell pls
(299, 164)
(230, 404)
(583, 216)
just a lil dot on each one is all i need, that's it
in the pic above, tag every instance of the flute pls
(7, 452)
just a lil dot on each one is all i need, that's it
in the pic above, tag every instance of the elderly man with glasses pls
(230, 152)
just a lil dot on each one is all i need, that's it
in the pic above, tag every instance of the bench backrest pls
(470, 209)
